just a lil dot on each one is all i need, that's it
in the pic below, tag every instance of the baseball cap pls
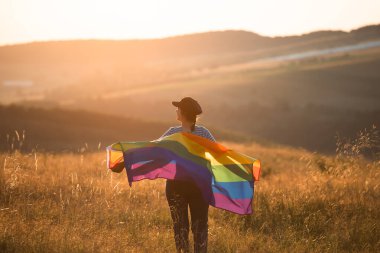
(188, 104)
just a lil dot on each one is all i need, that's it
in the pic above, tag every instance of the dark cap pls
(188, 104)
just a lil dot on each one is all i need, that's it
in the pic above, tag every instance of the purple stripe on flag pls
(240, 206)
(167, 171)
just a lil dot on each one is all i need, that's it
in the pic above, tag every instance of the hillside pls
(73, 130)
(241, 85)
(301, 103)
(132, 63)
(184, 46)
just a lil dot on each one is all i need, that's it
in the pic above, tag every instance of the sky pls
(41, 20)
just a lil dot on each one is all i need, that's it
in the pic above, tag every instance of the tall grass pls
(304, 202)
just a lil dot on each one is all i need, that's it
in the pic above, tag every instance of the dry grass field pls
(304, 202)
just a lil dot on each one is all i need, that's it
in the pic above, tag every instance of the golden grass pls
(304, 202)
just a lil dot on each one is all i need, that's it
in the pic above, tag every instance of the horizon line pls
(187, 34)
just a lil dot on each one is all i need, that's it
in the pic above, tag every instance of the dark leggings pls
(180, 195)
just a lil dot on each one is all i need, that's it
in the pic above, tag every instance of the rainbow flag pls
(225, 177)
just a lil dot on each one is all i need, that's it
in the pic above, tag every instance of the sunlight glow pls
(24, 20)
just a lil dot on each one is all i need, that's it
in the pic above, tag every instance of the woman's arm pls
(168, 132)
(208, 134)
(211, 137)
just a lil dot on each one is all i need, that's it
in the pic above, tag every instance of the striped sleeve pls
(168, 132)
(208, 134)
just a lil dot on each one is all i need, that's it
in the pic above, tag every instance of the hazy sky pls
(34, 20)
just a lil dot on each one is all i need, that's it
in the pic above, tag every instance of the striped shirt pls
(199, 130)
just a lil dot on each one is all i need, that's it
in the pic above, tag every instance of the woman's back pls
(199, 130)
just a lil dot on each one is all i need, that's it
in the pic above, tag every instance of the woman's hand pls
(118, 168)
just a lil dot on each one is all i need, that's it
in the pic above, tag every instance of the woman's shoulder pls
(201, 127)
(206, 133)
(175, 129)
(198, 127)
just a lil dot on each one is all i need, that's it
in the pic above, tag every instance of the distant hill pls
(98, 65)
(208, 43)
(281, 103)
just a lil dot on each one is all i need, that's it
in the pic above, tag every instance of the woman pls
(184, 194)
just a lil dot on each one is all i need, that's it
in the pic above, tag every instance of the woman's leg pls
(199, 220)
(179, 213)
